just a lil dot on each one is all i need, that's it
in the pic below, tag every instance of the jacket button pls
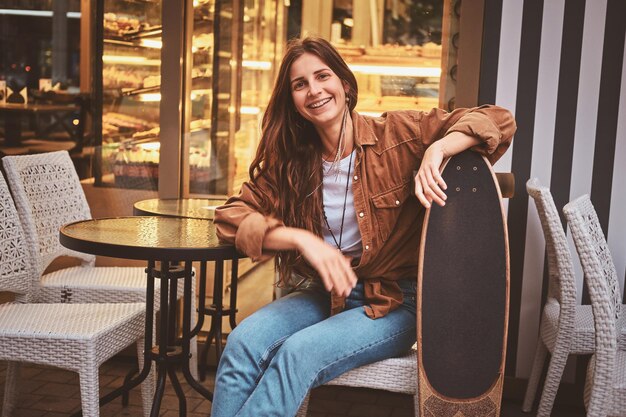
(361, 214)
(367, 247)
(397, 202)
(356, 177)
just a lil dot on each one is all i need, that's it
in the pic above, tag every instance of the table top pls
(41, 107)
(147, 238)
(192, 208)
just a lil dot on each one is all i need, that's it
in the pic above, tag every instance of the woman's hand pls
(332, 266)
(429, 185)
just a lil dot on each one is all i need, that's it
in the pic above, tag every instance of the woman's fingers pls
(428, 185)
(419, 192)
(343, 276)
(439, 179)
(333, 267)
(434, 191)
(349, 277)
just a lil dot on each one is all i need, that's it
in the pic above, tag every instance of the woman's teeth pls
(319, 103)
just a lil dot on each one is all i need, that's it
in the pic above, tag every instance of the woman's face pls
(318, 93)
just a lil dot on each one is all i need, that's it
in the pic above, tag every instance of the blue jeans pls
(275, 356)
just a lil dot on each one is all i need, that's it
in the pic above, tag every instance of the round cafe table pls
(192, 208)
(167, 240)
(200, 208)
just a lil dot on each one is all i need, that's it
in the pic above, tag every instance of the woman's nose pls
(314, 88)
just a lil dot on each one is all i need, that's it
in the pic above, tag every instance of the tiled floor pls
(48, 392)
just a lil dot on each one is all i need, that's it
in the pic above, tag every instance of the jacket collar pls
(363, 133)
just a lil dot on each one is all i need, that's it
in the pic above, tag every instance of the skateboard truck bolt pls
(458, 189)
(474, 189)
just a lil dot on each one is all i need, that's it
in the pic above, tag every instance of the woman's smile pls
(319, 103)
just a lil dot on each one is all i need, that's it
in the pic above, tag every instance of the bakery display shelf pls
(200, 83)
(147, 33)
(152, 2)
(130, 35)
(127, 43)
(396, 61)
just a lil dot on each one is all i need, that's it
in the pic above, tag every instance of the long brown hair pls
(289, 153)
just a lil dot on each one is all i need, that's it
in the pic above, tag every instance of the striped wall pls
(559, 65)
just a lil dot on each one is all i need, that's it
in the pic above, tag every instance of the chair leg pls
(147, 386)
(193, 344)
(533, 381)
(416, 404)
(304, 407)
(553, 380)
(89, 391)
(10, 389)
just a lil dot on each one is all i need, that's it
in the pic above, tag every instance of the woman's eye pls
(298, 85)
(324, 76)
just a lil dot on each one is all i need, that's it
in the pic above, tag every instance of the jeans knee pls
(238, 343)
(248, 344)
(300, 353)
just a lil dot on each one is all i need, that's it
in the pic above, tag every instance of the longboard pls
(463, 295)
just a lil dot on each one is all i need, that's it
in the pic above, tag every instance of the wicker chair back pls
(606, 301)
(48, 194)
(17, 267)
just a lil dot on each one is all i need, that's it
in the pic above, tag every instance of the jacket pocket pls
(387, 207)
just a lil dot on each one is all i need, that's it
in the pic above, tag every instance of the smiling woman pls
(330, 192)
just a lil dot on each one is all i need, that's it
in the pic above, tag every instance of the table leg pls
(232, 311)
(201, 300)
(215, 310)
(169, 356)
(187, 334)
(172, 303)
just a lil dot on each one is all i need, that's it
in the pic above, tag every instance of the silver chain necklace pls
(343, 214)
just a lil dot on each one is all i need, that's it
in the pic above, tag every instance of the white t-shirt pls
(334, 194)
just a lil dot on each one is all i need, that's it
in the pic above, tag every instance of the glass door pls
(234, 47)
(394, 49)
(129, 93)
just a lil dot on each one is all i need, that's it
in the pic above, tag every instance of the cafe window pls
(394, 50)
(40, 76)
(104, 59)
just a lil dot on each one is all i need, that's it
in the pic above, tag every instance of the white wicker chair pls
(77, 337)
(566, 328)
(395, 375)
(48, 194)
(605, 388)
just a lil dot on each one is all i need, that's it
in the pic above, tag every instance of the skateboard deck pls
(463, 295)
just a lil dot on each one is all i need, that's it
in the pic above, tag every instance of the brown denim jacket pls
(389, 148)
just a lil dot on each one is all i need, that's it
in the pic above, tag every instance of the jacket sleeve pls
(241, 221)
(493, 125)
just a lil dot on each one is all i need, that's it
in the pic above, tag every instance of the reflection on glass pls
(396, 56)
(131, 93)
(261, 34)
(40, 100)
(229, 91)
(40, 40)
(209, 95)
